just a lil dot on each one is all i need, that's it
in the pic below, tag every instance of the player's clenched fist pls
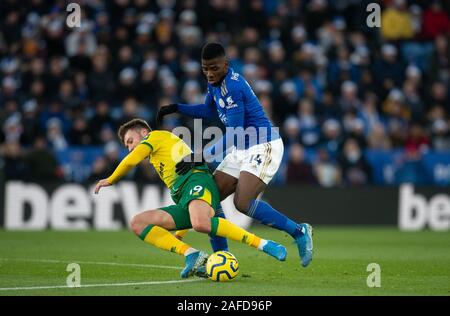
(165, 110)
(102, 183)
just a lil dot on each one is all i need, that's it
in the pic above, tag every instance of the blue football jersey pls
(235, 96)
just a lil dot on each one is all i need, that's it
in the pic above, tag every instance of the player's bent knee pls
(136, 225)
(202, 226)
(241, 205)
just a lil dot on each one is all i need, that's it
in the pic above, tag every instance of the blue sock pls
(269, 216)
(218, 243)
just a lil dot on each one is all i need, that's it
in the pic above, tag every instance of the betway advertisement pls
(69, 206)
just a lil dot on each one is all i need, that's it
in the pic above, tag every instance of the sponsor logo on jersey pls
(230, 103)
(234, 76)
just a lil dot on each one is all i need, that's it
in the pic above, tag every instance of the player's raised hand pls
(100, 184)
(165, 110)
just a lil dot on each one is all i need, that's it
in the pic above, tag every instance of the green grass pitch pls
(118, 263)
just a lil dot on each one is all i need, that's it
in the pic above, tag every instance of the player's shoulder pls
(156, 135)
(234, 81)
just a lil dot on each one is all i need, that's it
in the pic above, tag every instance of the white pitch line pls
(142, 265)
(95, 285)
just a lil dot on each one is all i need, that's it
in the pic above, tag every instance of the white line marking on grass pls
(94, 285)
(142, 265)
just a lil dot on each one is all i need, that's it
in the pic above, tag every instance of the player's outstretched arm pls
(129, 162)
(165, 110)
(204, 110)
(102, 183)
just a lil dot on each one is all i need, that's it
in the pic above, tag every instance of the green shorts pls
(200, 185)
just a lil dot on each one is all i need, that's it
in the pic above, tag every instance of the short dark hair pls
(133, 124)
(212, 50)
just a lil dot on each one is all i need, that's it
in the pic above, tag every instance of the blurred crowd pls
(335, 86)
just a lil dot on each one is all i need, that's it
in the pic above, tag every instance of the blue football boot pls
(275, 250)
(193, 262)
(305, 244)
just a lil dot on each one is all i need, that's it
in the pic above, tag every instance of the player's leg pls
(203, 221)
(217, 243)
(153, 228)
(259, 166)
(181, 233)
(226, 183)
(245, 199)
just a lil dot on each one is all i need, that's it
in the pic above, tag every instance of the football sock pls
(181, 233)
(269, 216)
(225, 228)
(218, 243)
(163, 239)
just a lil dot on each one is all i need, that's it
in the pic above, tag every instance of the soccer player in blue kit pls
(255, 155)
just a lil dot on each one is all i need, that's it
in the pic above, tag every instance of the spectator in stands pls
(149, 84)
(440, 136)
(79, 133)
(112, 156)
(58, 72)
(287, 103)
(439, 95)
(413, 101)
(41, 162)
(326, 171)
(55, 109)
(55, 135)
(127, 85)
(349, 100)
(131, 56)
(130, 110)
(369, 113)
(266, 103)
(309, 125)
(298, 171)
(439, 64)
(100, 170)
(397, 117)
(9, 90)
(328, 107)
(14, 165)
(435, 21)
(396, 21)
(378, 138)
(101, 79)
(101, 119)
(417, 141)
(331, 137)
(357, 132)
(355, 169)
(67, 95)
(30, 123)
(291, 129)
(389, 69)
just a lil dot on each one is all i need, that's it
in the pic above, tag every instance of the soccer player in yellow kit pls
(195, 195)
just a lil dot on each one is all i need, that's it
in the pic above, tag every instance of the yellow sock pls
(181, 233)
(224, 228)
(163, 239)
